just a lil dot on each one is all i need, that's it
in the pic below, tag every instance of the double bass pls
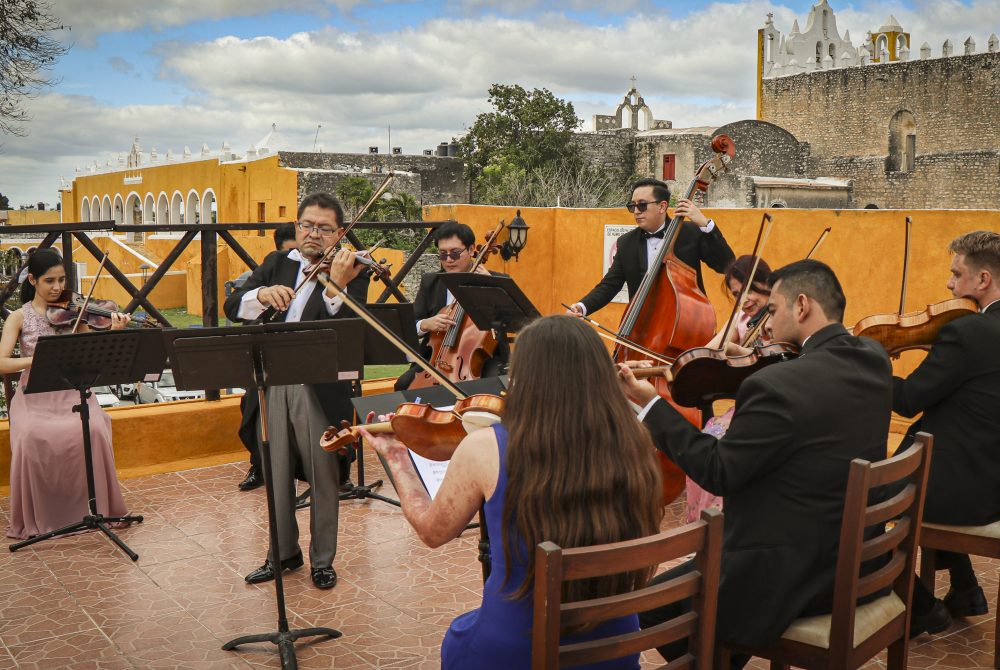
(669, 314)
(460, 352)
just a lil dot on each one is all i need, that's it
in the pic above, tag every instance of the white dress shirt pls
(251, 308)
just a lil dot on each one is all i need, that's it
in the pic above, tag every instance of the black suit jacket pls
(782, 467)
(957, 387)
(277, 268)
(630, 263)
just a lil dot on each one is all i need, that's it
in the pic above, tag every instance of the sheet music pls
(431, 472)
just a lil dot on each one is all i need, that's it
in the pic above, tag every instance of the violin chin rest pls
(474, 420)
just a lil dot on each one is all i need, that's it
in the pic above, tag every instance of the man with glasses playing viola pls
(456, 251)
(699, 241)
(298, 414)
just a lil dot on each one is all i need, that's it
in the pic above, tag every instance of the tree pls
(354, 192)
(526, 131)
(27, 52)
(4, 202)
(556, 184)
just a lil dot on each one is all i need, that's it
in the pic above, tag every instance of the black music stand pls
(492, 302)
(398, 318)
(262, 356)
(79, 362)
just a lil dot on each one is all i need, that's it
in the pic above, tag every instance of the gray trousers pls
(296, 422)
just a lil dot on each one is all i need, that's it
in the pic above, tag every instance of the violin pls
(917, 330)
(462, 350)
(702, 375)
(429, 432)
(64, 312)
(669, 314)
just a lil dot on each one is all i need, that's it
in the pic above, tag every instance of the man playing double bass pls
(456, 250)
(957, 387)
(699, 241)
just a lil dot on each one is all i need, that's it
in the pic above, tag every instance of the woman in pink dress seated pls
(48, 481)
(752, 309)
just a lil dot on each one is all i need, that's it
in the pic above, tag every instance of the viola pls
(917, 330)
(64, 312)
(669, 314)
(429, 432)
(462, 350)
(702, 375)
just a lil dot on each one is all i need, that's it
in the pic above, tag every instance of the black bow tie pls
(658, 234)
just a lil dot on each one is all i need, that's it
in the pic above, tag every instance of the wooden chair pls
(9, 388)
(974, 540)
(852, 633)
(553, 566)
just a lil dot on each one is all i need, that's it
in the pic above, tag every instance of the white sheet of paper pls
(431, 472)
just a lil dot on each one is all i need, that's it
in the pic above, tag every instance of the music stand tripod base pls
(79, 362)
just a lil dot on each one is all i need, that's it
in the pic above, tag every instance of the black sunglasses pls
(454, 254)
(640, 206)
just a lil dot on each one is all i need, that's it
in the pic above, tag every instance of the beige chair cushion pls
(869, 618)
(990, 530)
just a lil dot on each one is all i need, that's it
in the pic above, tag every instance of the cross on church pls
(632, 79)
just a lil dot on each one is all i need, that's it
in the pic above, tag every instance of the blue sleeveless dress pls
(497, 636)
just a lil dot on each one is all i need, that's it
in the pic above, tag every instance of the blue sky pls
(181, 73)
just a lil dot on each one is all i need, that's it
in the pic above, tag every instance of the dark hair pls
(815, 280)
(660, 190)
(455, 229)
(323, 201)
(981, 249)
(580, 468)
(740, 270)
(39, 262)
(283, 233)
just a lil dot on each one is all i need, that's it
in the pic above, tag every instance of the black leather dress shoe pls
(347, 486)
(265, 573)
(324, 578)
(934, 621)
(971, 602)
(254, 479)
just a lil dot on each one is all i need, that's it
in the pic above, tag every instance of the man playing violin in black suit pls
(299, 414)
(783, 464)
(699, 241)
(456, 250)
(957, 387)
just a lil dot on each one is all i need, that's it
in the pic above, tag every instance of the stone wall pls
(439, 179)
(845, 115)
(610, 150)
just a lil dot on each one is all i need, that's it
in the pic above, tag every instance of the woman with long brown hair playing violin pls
(569, 464)
(48, 488)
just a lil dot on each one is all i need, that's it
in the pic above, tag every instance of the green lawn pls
(179, 318)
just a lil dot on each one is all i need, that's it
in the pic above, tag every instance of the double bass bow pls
(901, 332)
(669, 314)
(460, 352)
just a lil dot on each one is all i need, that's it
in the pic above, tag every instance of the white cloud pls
(427, 81)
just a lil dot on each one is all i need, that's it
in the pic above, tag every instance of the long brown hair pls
(580, 467)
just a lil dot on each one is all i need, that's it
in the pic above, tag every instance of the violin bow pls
(755, 332)
(618, 339)
(488, 247)
(333, 248)
(86, 301)
(363, 312)
(906, 265)
(758, 248)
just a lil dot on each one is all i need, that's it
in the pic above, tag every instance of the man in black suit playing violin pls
(699, 241)
(298, 415)
(456, 250)
(957, 387)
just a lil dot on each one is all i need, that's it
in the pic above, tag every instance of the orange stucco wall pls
(562, 260)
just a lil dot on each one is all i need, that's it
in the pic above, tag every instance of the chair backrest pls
(8, 387)
(553, 566)
(904, 476)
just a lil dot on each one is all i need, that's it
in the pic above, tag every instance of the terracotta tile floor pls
(78, 603)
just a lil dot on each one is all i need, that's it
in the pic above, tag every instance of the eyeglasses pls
(310, 228)
(454, 254)
(640, 206)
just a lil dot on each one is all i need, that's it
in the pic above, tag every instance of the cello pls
(669, 314)
(917, 330)
(460, 352)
